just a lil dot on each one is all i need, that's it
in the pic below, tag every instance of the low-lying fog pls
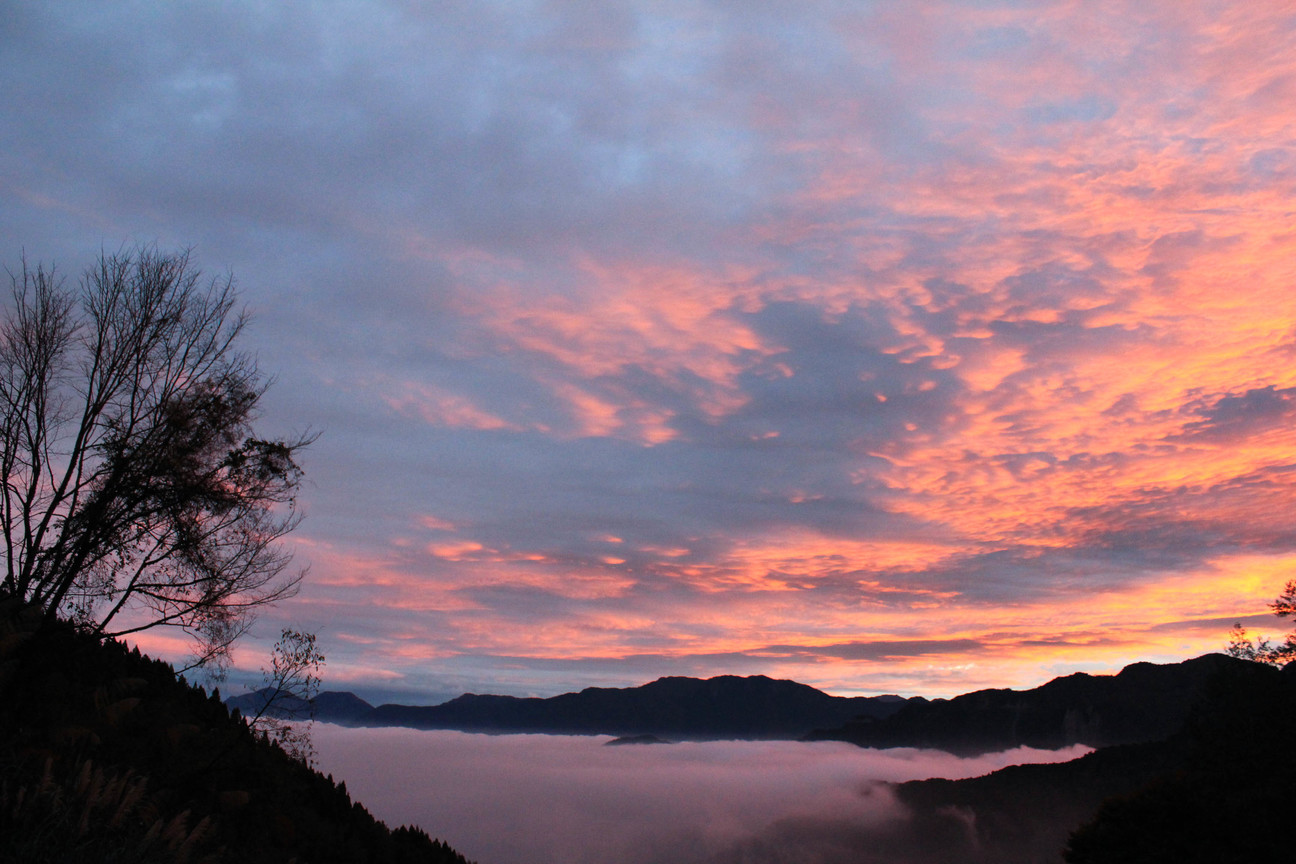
(549, 799)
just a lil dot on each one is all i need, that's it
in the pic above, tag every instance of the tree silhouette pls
(291, 684)
(135, 493)
(1240, 645)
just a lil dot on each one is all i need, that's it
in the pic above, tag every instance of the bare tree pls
(135, 493)
(287, 709)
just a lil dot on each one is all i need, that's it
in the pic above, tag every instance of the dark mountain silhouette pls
(723, 707)
(1194, 764)
(636, 739)
(1018, 815)
(340, 707)
(1023, 813)
(1229, 799)
(105, 755)
(1220, 789)
(286, 707)
(1144, 702)
(330, 706)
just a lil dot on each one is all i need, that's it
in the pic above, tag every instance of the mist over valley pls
(545, 799)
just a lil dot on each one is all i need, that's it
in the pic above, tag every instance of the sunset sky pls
(906, 347)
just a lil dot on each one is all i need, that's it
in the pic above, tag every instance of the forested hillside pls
(1221, 789)
(105, 755)
(1144, 702)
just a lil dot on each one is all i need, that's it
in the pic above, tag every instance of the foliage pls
(291, 683)
(106, 756)
(91, 816)
(134, 490)
(1263, 651)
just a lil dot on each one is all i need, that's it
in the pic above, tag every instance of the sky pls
(889, 347)
(567, 800)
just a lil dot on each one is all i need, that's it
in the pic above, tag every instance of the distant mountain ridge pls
(331, 706)
(1143, 702)
(727, 706)
(1219, 789)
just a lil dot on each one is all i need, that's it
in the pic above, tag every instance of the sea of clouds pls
(545, 799)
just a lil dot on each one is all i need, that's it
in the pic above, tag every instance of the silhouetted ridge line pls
(1143, 702)
(727, 706)
(1219, 789)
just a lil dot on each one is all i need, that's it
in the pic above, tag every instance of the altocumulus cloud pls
(645, 336)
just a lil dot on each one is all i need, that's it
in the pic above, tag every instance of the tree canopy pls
(136, 493)
(1265, 651)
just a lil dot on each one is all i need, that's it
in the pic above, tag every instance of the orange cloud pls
(1028, 411)
(436, 407)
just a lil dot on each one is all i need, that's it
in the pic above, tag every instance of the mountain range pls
(727, 706)
(1192, 761)
(1217, 790)
(107, 755)
(1144, 702)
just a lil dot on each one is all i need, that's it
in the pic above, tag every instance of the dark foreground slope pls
(1144, 702)
(1231, 799)
(106, 756)
(1221, 789)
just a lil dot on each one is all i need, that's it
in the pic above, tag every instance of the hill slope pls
(1221, 790)
(1144, 702)
(106, 756)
